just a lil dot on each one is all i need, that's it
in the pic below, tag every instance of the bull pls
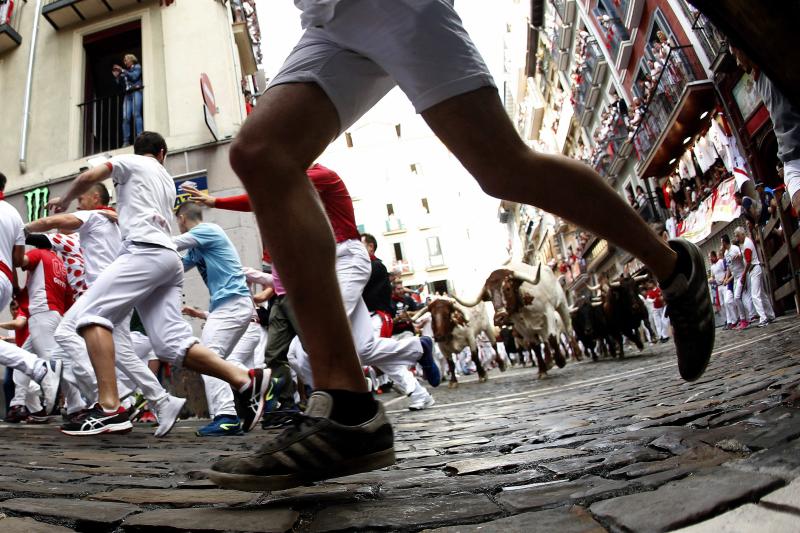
(456, 327)
(531, 299)
(624, 310)
(589, 324)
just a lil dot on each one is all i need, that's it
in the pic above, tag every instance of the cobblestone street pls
(614, 445)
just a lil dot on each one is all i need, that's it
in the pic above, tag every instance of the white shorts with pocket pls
(372, 45)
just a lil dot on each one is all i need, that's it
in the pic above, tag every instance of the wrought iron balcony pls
(10, 14)
(63, 13)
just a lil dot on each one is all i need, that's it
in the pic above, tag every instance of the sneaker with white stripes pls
(98, 421)
(312, 448)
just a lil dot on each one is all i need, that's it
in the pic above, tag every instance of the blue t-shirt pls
(212, 252)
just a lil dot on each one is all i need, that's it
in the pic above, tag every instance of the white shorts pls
(372, 45)
(151, 280)
(791, 176)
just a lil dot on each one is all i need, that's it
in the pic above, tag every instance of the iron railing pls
(10, 13)
(593, 55)
(678, 71)
(613, 33)
(102, 124)
(712, 41)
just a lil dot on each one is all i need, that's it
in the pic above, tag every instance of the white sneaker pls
(420, 399)
(167, 411)
(48, 379)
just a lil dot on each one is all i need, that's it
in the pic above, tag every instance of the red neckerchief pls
(2, 195)
(107, 208)
(371, 256)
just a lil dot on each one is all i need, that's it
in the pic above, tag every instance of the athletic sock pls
(352, 408)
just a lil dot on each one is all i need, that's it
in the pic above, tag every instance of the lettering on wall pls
(36, 201)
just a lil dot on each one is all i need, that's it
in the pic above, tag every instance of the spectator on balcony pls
(641, 197)
(785, 121)
(6, 10)
(631, 199)
(130, 79)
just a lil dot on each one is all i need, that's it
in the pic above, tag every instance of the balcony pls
(613, 32)
(713, 42)
(673, 112)
(63, 13)
(403, 267)
(588, 78)
(394, 226)
(104, 126)
(612, 148)
(10, 14)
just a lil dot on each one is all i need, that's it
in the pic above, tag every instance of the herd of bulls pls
(532, 302)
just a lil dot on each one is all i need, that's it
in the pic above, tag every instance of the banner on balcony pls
(697, 226)
(725, 208)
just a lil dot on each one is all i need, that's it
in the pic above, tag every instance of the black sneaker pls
(312, 448)
(17, 414)
(690, 311)
(97, 421)
(250, 402)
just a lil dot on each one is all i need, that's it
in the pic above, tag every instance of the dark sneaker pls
(221, 426)
(39, 417)
(75, 417)
(17, 414)
(690, 311)
(279, 417)
(312, 448)
(429, 368)
(250, 402)
(98, 421)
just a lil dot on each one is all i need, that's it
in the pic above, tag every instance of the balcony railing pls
(712, 41)
(103, 124)
(676, 74)
(612, 31)
(10, 14)
(394, 224)
(402, 266)
(63, 13)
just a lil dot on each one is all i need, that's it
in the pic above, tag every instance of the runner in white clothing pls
(719, 273)
(148, 275)
(100, 242)
(755, 278)
(12, 255)
(733, 258)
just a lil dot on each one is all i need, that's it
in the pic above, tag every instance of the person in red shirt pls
(659, 311)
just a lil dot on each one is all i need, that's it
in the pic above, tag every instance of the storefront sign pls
(199, 179)
(36, 202)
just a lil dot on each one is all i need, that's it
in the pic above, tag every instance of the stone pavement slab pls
(787, 498)
(213, 520)
(472, 466)
(9, 524)
(747, 519)
(406, 514)
(561, 520)
(682, 502)
(176, 498)
(99, 513)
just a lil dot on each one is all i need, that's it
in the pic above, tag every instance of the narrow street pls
(615, 445)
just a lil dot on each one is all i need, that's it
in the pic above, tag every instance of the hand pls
(199, 197)
(58, 205)
(116, 70)
(113, 216)
(193, 312)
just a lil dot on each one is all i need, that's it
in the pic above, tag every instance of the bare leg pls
(291, 126)
(475, 127)
(154, 366)
(100, 345)
(202, 360)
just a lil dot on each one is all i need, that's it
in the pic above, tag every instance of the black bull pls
(589, 323)
(624, 312)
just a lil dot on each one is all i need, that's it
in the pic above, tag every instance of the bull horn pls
(641, 278)
(419, 313)
(597, 304)
(573, 309)
(471, 303)
(615, 283)
(593, 287)
(526, 279)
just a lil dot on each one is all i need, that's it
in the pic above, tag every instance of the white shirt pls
(11, 233)
(145, 198)
(733, 256)
(718, 271)
(749, 245)
(100, 242)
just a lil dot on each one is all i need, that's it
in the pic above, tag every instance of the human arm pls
(194, 312)
(80, 185)
(231, 203)
(16, 324)
(186, 241)
(64, 222)
(263, 296)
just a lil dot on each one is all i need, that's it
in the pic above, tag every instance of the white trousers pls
(143, 347)
(26, 391)
(661, 322)
(245, 353)
(150, 279)
(729, 304)
(224, 328)
(741, 296)
(392, 356)
(760, 298)
(12, 355)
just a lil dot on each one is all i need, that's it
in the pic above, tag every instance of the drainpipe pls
(26, 107)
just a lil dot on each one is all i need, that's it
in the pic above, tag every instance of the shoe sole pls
(124, 427)
(424, 406)
(261, 401)
(251, 483)
(167, 428)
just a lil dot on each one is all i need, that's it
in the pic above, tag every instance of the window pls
(398, 251)
(425, 206)
(435, 257)
(105, 100)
